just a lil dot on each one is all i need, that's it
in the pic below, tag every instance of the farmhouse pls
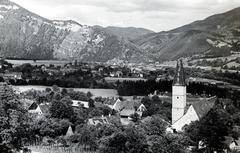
(77, 103)
(40, 110)
(127, 108)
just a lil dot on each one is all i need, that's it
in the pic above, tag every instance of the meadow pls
(37, 62)
(95, 92)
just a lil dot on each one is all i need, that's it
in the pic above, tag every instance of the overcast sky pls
(156, 15)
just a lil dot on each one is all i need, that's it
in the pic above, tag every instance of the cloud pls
(153, 14)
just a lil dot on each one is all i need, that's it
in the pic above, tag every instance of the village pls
(62, 116)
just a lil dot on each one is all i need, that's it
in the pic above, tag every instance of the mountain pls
(24, 34)
(193, 38)
(127, 32)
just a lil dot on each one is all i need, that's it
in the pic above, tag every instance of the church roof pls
(203, 107)
(179, 78)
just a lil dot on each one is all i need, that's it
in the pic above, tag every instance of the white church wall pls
(178, 102)
(179, 96)
(177, 113)
(179, 90)
(189, 117)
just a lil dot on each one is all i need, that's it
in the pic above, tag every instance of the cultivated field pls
(38, 62)
(112, 80)
(95, 92)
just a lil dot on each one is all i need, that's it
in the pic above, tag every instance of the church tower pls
(178, 93)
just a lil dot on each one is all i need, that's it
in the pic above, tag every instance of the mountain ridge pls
(27, 35)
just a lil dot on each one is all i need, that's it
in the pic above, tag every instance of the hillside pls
(24, 34)
(127, 32)
(192, 39)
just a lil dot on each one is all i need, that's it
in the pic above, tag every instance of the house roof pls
(27, 103)
(129, 112)
(69, 132)
(179, 78)
(203, 107)
(98, 120)
(33, 106)
(44, 108)
(131, 105)
(77, 103)
(110, 101)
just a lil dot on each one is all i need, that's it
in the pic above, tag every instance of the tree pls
(155, 126)
(91, 103)
(62, 109)
(82, 115)
(128, 141)
(52, 127)
(135, 117)
(169, 143)
(14, 120)
(146, 101)
(211, 130)
(89, 94)
(55, 88)
(87, 135)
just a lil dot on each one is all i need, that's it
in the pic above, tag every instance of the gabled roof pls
(69, 132)
(98, 120)
(129, 112)
(203, 107)
(27, 103)
(179, 78)
(33, 106)
(130, 105)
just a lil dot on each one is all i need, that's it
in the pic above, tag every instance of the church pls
(183, 112)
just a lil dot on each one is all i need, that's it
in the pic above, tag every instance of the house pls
(40, 110)
(77, 103)
(234, 144)
(183, 113)
(98, 120)
(127, 108)
(12, 76)
(35, 109)
(142, 108)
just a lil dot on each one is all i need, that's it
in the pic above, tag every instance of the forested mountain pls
(196, 38)
(24, 34)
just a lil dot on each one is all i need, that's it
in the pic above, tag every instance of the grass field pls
(37, 62)
(111, 80)
(49, 149)
(95, 92)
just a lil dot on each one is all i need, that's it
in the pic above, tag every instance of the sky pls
(156, 15)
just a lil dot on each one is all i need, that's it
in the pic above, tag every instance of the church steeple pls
(179, 78)
(179, 93)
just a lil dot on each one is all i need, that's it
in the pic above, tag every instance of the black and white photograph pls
(119, 76)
